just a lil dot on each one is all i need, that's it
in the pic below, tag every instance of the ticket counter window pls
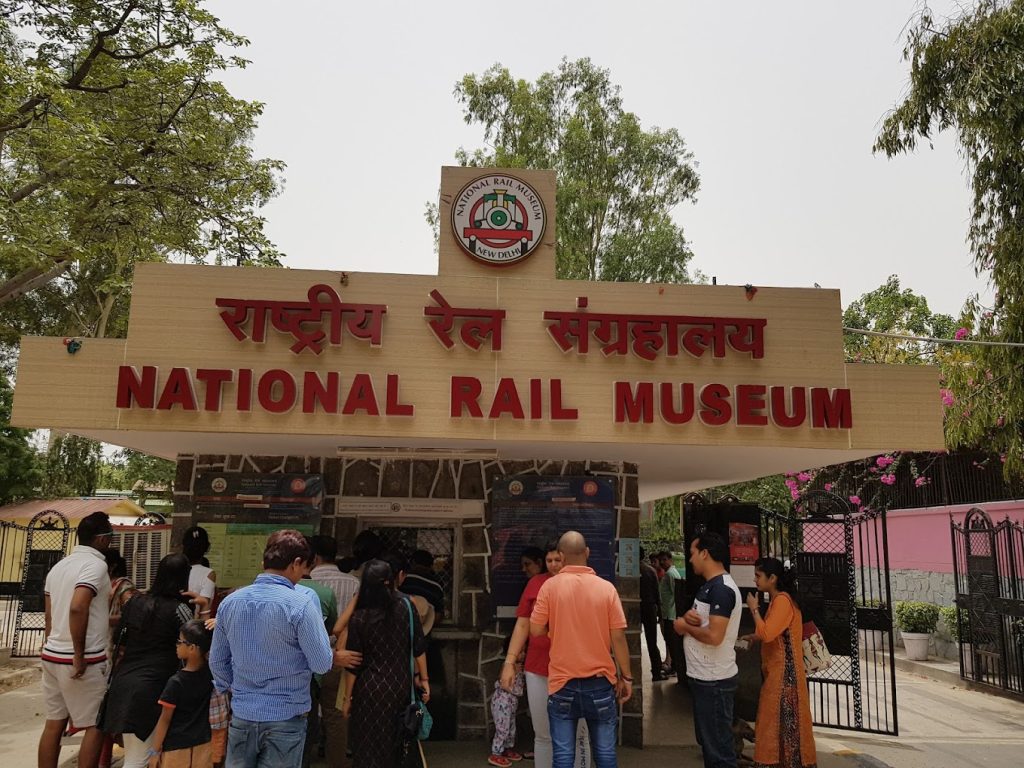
(440, 541)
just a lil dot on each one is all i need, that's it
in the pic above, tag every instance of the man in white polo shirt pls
(709, 632)
(74, 657)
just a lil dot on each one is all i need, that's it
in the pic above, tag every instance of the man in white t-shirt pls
(709, 631)
(74, 657)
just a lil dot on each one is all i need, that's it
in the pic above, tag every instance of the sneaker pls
(499, 760)
(512, 755)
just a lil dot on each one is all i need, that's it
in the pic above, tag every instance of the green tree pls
(71, 467)
(890, 309)
(118, 144)
(19, 464)
(965, 76)
(618, 183)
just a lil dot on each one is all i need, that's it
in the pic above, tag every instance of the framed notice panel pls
(240, 511)
(531, 510)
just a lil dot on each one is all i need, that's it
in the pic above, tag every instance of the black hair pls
(93, 526)
(715, 546)
(284, 548)
(377, 589)
(347, 564)
(772, 566)
(535, 554)
(195, 543)
(117, 566)
(196, 633)
(666, 553)
(396, 560)
(551, 545)
(325, 547)
(422, 559)
(171, 577)
(367, 546)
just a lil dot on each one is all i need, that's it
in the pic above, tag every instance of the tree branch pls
(30, 279)
(170, 44)
(99, 89)
(39, 182)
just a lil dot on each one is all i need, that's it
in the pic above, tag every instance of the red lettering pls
(831, 409)
(317, 392)
(178, 391)
(506, 400)
(780, 415)
(214, 380)
(244, 394)
(361, 396)
(558, 411)
(392, 406)
(132, 387)
(465, 393)
(536, 399)
(749, 404)
(633, 406)
(668, 403)
(716, 409)
(281, 379)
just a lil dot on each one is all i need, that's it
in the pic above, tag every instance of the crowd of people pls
(309, 659)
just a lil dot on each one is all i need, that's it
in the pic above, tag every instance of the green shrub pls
(917, 617)
(949, 618)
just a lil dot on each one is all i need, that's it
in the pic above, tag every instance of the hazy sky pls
(779, 103)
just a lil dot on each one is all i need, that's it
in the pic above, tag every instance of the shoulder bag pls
(816, 655)
(416, 719)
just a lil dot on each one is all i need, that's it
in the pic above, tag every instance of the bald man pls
(583, 616)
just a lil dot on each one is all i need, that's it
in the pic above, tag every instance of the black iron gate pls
(842, 565)
(46, 543)
(988, 569)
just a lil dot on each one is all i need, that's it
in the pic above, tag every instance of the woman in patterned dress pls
(783, 734)
(379, 688)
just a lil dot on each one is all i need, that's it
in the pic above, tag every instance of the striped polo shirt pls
(84, 567)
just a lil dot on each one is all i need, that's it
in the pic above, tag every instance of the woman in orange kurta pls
(783, 733)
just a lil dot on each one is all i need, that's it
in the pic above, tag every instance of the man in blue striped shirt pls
(270, 639)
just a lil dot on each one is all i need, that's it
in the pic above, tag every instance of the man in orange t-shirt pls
(582, 615)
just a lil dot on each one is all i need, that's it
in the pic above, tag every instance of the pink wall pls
(919, 538)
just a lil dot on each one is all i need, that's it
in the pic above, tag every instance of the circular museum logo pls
(498, 219)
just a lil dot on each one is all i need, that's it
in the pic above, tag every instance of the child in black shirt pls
(181, 738)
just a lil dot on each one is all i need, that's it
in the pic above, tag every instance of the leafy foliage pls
(967, 75)
(661, 531)
(71, 467)
(916, 616)
(890, 309)
(119, 145)
(618, 183)
(19, 465)
(128, 469)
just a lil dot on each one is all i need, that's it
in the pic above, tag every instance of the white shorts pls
(78, 699)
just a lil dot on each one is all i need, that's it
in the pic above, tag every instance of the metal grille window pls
(438, 540)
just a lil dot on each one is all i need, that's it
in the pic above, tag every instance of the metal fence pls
(988, 567)
(28, 552)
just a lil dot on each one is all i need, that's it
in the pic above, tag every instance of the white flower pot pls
(916, 644)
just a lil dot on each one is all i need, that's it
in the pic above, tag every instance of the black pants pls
(649, 620)
(674, 647)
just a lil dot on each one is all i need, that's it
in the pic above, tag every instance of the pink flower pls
(961, 334)
(947, 397)
(794, 494)
(889, 479)
(922, 480)
(828, 487)
(855, 499)
(883, 461)
(791, 483)
(803, 477)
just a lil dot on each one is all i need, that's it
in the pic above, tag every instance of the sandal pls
(499, 760)
(512, 755)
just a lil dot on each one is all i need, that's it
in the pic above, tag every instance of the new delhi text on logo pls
(498, 219)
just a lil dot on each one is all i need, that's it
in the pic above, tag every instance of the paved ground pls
(941, 726)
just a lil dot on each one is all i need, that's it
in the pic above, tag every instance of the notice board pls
(240, 511)
(532, 510)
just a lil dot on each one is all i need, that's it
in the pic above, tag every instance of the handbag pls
(816, 655)
(416, 719)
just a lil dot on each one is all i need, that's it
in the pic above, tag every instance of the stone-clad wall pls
(476, 651)
(927, 587)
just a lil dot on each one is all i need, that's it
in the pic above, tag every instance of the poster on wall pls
(743, 545)
(240, 511)
(532, 510)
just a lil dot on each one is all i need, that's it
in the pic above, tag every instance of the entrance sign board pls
(532, 511)
(239, 512)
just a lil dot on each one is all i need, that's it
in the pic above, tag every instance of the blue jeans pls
(591, 699)
(276, 744)
(712, 719)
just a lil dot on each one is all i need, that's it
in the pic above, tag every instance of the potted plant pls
(951, 618)
(916, 621)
